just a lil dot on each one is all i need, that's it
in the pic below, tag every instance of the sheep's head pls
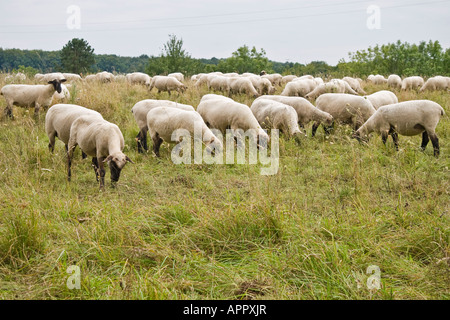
(116, 163)
(360, 137)
(214, 145)
(57, 84)
(329, 119)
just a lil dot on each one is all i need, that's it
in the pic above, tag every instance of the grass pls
(169, 231)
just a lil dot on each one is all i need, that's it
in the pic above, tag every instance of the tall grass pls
(171, 231)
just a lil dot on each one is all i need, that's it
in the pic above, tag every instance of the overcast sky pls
(288, 30)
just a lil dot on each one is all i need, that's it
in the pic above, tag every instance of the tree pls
(246, 60)
(77, 56)
(174, 58)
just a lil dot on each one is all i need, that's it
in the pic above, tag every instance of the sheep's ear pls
(109, 158)
(63, 80)
(128, 159)
(51, 82)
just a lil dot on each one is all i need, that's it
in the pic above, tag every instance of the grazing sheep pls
(332, 86)
(262, 85)
(18, 77)
(223, 113)
(299, 87)
(60, 117)
(220, 83)
(394, 81)
(165, 83)
(103, 141)
(382, 98)
(24, 95)
(272, 114)
(274, 78)
(378, 79)
(435, 83)
(177, 75)
(163, 121)
(51, 76)
(288, 78)
(354, 84)
(242, 85)
(345, 109)
(139, 78)
(72, 77)
(412, 82)
(140, 111)
(306, 111)
(407, 118)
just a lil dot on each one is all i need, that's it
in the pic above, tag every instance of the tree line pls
(77, 56)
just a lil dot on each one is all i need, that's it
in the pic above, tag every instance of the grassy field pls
(169, 231)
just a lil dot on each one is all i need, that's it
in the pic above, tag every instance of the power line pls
(226, 22)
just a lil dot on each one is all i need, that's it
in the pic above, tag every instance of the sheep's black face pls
(115, 171)
(57, 84)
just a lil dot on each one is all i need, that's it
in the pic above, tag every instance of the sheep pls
(262, 85)
(408, 118)
(299, 88)
(24, 95)
(318, 80)
(272, 114)
(162, 122)
(72, 77)
(103, 141)
(59, 119)
(242, 85)
(51, 76)
(306, 112)
(220, 83)
(394, 81)
(104, 76)
(382, 98)
(435, 83)
(288, 78)
(412, 82)
(334, 85)
(140, 111)
(165, 83)
(275, 78)
(223, 113)
(177, 75)
(139, 78)
(90, 78)
(354, 84)
(18, 77)
(345, 109)
(377, 79)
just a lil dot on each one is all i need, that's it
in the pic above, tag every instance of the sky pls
(288, 30)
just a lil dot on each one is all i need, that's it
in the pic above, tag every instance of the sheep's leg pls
(384, 136)
(36, 110)
(141, 139)
(394, 136)
(157, 141)
(8, 110)
(425, 140)
(51, 142)
(435, 141)
(101, 171)
(69, 150)
(95, 166)
(314, 128)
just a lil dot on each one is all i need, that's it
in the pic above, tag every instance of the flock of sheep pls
(337, 101)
